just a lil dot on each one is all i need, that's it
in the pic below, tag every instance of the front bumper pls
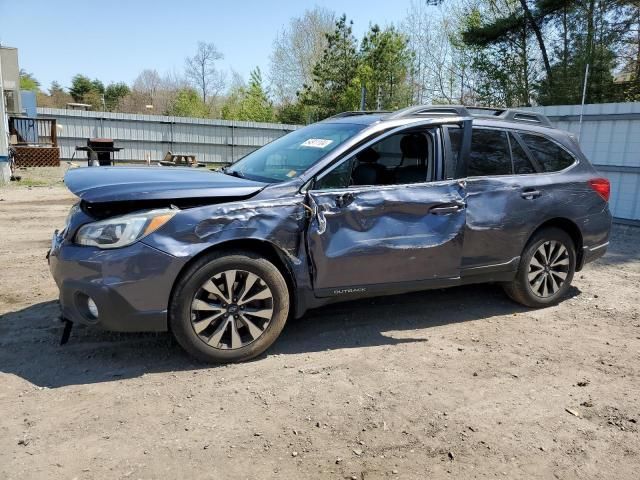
(130, 286)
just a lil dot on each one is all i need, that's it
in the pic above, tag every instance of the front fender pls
(280, 222)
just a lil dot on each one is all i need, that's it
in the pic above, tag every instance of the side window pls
(521, 162)
(395, 160)
(551, 156)
(489, 153)
(339, 177)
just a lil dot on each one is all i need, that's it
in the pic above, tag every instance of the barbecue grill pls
(99, 151)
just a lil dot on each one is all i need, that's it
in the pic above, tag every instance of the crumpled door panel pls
(385, 234)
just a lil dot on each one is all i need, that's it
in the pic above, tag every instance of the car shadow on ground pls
(29, 338)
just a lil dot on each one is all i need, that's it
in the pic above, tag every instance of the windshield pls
(290, 155)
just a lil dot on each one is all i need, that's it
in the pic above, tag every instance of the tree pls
(56, 89)
(594, 33)
(502, 65)
(114, 93)
(98, 86)
(80, 86)
(148, 82)
(293, 113)
(255, 103)
(249, 102)
(512, 21)
(56, 97)
(296, 50)
(442, 65)
(28, 81)
(188, 104)
(335, 87)
(202, 73)
(385, 61)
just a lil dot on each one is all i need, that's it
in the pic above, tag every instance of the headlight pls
(122, 231)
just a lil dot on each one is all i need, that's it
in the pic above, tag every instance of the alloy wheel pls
(232, 309)
(548, 268)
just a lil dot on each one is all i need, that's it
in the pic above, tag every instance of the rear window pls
(489, 153)
(551, 156)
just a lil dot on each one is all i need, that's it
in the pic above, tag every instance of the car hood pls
(115, 184)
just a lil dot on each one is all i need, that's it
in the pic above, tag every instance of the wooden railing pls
(33, 131)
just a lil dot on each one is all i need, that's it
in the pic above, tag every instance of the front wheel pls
(546, 269)
(229, 307)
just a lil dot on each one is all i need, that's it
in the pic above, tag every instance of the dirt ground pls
(457, 383)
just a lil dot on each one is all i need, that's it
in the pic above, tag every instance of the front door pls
(382, 218)
(368, 236)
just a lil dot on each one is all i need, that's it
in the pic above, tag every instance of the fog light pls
(92, 307)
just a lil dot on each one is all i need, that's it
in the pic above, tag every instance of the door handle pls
(447, 209)
(344, 200)
(530, 194)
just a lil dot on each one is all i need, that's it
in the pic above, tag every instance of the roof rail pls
(513, 115)
(526, 116)
(356, 113)
(455, 110)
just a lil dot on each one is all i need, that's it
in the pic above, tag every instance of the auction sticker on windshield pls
(316, 143)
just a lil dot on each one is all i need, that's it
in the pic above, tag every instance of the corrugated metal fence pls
(151, 136)
(610, 138)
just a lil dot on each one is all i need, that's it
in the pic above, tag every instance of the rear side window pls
(521, 162)
(489, 153)
(551, 156)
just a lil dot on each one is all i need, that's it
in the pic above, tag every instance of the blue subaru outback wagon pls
(361, 204)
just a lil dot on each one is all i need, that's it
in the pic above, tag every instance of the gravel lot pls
(458, 383)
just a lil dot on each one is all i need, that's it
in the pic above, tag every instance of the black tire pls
(191, 283)
(521, 289)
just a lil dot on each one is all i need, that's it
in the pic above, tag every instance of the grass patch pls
(33, 182)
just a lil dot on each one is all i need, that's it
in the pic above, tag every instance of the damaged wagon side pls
(356, 205)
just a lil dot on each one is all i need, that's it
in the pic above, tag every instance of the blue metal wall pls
(610, 138)
(212, 141)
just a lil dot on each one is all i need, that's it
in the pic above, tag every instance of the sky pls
(114, 40)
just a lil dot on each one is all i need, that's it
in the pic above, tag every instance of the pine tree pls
(335, 85)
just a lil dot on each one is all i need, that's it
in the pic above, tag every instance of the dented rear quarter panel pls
(500, 221)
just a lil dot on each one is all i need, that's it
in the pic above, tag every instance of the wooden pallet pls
(37, 156)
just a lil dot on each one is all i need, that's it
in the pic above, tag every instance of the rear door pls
(389, 231)
(502, 201)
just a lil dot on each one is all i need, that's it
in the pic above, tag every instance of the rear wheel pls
(546, 269)
(229, 307)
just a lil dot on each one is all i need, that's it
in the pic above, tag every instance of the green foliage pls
(385, 61)
(188, 103)
(587, 36)
(294, 113)
(80, 86)
(335, 87)
(86, 90)
(95, 99)
(55, 89)
(249, 103)
(590, 32)
(28, 81)
(114, 93)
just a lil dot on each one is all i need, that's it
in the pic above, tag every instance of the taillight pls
(602, 187)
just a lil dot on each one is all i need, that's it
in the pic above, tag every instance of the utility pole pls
(5, 169)
(584, 96)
